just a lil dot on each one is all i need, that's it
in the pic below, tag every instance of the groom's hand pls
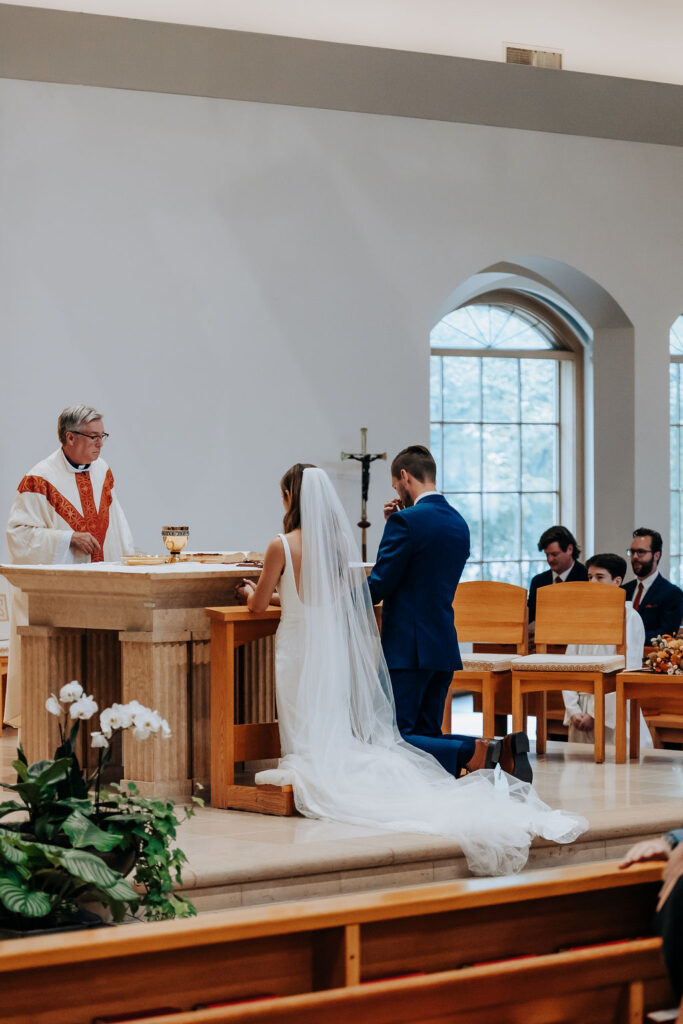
(392, 506)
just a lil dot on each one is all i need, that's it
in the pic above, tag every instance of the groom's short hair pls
(416, 460)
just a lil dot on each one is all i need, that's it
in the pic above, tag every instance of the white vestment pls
(584, 703)
(53, 500)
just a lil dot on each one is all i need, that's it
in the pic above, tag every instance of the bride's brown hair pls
(291, 484)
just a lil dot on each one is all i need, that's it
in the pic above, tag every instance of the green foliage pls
(53, 859)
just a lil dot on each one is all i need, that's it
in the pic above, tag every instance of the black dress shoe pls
(513, 756)
(486, 755)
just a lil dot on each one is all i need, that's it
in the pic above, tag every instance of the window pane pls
(539, 511)
(435, 403)
(500, 386)
(472, 571)
(501, 526)
(502, 572)
(675, 524)
(676, 337)
(469, 507)
(530, 569)
(436, 448)
(501, 458)
(675, 571)
(462, 457)
(674, 371)
(539, 457)
(673, 457)
(539, 390)
(461, 388)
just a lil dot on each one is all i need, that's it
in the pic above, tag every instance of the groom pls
(420, 560)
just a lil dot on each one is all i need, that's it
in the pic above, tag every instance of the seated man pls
(669, 917)
(559, 546)
(658, 601)
(580, 707)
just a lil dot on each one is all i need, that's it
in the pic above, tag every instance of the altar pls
(136, 632)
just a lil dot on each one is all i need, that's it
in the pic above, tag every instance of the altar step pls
(244, 859)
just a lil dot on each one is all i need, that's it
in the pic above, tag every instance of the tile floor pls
(241, 859)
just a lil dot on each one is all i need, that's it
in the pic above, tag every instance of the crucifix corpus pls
(365, 459)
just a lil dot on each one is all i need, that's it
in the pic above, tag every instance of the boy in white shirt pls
(580, 707)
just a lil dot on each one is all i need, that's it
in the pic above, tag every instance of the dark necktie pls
(639, 595)
(558, 579)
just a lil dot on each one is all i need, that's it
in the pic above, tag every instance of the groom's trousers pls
(420, 697)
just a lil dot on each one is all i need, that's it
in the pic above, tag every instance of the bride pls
(342, 751)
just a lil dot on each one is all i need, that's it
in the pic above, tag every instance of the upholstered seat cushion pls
(571, 663)
(487, 662)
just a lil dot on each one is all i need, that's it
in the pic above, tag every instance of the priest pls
(65, 512)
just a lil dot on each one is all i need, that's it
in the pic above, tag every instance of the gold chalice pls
(175, 539)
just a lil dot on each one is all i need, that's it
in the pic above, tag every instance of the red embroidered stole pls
(91, 520)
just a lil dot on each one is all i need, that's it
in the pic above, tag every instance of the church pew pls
(593, 986)
(317, 945)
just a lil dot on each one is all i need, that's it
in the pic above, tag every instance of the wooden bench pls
(294, 950)
(611, 984)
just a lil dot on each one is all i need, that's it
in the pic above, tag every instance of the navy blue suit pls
(578, 574)
(661, 608)
(419, 563)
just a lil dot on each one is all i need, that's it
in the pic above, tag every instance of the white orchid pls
(141, 733)
(125, 714)
(110, 719)
(147, 719)
(53, 705)
(165, 729)
(85, 707)
(71, 691)
(98, 740)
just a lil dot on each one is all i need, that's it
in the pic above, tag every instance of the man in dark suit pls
(562, 553)
(658, 601)
(420, 559)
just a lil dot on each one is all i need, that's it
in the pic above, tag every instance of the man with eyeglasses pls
(658, 601)
(65, 511)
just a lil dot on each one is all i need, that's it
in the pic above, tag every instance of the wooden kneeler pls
(231, 627)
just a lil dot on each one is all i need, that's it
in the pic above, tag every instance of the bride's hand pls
(244, 590)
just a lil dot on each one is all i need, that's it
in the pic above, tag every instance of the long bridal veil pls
(347, 760)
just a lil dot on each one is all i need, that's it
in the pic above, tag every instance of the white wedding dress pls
(341, 748)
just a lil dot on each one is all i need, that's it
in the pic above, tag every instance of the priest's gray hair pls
(73, 417)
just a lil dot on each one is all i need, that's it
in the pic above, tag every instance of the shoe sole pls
(493, 754)
(519, 747)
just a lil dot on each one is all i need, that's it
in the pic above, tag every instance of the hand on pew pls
(649, 849)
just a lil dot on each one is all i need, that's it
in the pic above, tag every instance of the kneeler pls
(575, 613)
(231, 742)
(489, 613)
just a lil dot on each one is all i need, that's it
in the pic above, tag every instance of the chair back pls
(491, 613)
(581, 613)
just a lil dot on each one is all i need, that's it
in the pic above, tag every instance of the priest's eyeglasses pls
(91, 437)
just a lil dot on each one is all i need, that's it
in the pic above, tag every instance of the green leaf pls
(10, 805)
(21, 769)
(83, 832)
(11, 851)
(21, 755)
(19, 900)
(43, 773)
(90, 868)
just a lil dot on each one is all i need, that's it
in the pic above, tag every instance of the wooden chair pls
(491, 613)
(573, 613)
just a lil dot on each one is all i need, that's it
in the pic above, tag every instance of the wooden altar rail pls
(306, 949)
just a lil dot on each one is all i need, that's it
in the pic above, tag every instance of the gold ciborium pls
(175, 539)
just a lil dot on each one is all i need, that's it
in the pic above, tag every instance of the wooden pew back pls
(318, 945)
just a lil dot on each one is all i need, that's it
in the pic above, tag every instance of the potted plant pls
(66, 842)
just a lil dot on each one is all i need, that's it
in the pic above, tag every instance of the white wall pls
(627, 38)
(239, 286)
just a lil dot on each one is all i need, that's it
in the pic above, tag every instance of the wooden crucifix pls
(365, 459)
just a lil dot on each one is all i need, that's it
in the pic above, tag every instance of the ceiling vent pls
(533, 58)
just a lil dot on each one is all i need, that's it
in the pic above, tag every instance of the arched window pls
(676, 447)
(503, 430)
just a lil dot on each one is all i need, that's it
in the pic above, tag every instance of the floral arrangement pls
(71, 848)
(667, 658)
